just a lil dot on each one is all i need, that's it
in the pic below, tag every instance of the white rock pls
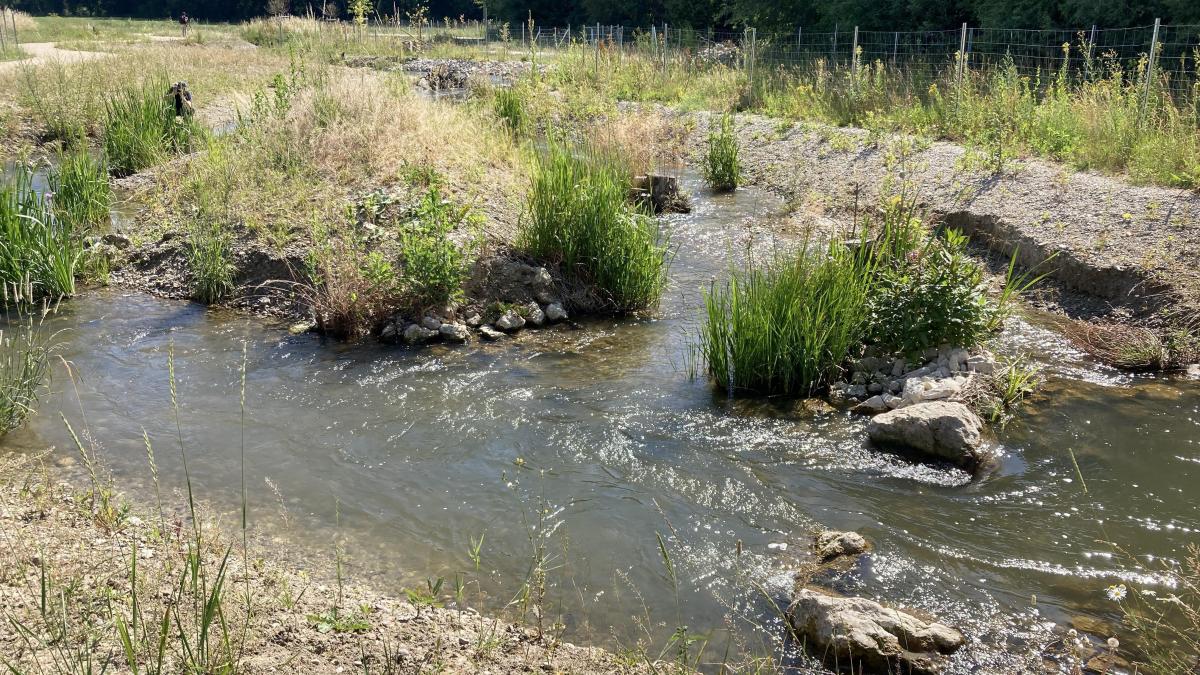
(454, 332)
(940, 429)
(490, 334)
(534, 314)
(415, 334)
(871, 406)
(431, 323)
(389, 332)
(867, 637)
(555, 312)
(511, 321)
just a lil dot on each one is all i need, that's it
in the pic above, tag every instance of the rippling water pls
(592, 441)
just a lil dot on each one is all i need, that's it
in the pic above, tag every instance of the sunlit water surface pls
(594, 440)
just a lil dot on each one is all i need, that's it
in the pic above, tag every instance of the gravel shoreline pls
(49, 533)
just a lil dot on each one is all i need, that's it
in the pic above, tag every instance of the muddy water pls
(589, 442)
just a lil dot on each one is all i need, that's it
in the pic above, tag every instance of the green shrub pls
(25, 351)
(141, 129)
(788, 327)
(81, 191)
(931, 297)
(208, 259)
(38, 252)
(722, 169)
(435, 268)
(578, 217)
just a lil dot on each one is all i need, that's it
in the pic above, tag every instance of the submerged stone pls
(832, 544)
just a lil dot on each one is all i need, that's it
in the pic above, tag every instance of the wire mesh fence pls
(1034, 53)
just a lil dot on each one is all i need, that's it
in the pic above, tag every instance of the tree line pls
(766, 15)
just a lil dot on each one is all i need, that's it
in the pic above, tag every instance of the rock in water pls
(832, 544)
(511, 321)
(454, 332)
(490, 334)
(555, 312)
(534, 314)
(941, 429)
(415, 334)
(869, 637)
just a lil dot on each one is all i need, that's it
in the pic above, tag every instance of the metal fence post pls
(854, 51)
(1091, 46)
(895, 48)
(1150, 66)
(962, 60)
(833, 48)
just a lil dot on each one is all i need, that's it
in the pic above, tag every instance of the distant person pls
(183, 23)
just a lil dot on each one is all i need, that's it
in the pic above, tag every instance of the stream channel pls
(590, 441)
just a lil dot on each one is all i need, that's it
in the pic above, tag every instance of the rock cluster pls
(877, 384)
(865, 636)
(529, 300)
(918, 408)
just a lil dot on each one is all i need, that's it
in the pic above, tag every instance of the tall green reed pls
(80, 189)
(37, 250)
(142, 130)
(579, 217)
(722, 167)
(25, 352)
(786, 326)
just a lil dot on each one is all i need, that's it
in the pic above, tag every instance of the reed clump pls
(722, 169)
(38, 251)
(578, 217)
(25, 352)
(142, 130)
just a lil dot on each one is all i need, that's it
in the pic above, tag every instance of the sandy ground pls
(53, 541)
(45, 52)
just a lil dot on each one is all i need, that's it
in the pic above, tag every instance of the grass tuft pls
(38, 252)
(722, 168)
(578, 217)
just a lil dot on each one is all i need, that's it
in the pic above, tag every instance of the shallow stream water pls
(592, 441)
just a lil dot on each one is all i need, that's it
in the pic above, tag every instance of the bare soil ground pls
(45, 52)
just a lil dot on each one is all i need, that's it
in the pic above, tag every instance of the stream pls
(589, 443)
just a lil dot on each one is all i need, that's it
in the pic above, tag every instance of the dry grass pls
(1130, 347)
(58, 99)
(23, 21)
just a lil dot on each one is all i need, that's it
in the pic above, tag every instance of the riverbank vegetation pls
(1107, 115)
(579, 217)
(39, 253)
(789, 325)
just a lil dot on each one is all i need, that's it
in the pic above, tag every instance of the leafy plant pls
(932, 297)
(435, 267)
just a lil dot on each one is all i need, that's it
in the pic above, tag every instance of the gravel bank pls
(1127, 252)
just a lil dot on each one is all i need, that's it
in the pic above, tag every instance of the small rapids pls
(590, 443)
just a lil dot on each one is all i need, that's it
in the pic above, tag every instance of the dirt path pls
(44, 52)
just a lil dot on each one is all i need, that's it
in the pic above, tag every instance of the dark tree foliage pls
(766, 15)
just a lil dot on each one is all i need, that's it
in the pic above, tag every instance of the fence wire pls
(1034, 53)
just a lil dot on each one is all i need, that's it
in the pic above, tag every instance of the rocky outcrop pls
(878, 384)
(510, 321)
(868, 637)
(939, 429)
(832, 544)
